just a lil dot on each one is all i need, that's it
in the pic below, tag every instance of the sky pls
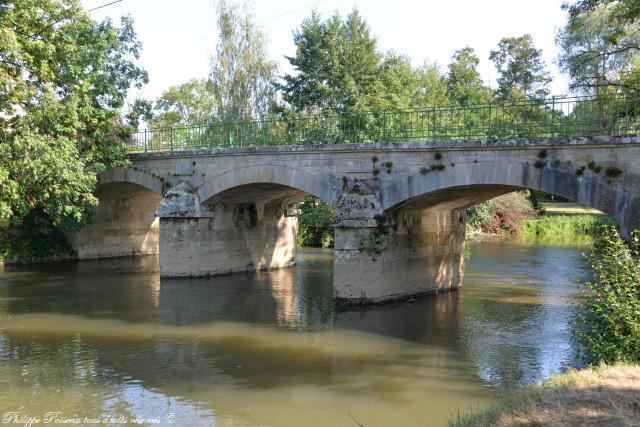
(179, 36)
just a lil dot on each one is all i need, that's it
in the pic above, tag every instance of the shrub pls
(314, 223)
(611, 321)
(501, 214)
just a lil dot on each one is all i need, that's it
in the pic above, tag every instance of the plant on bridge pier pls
(375, 241)
(613, 172)
(594, 167)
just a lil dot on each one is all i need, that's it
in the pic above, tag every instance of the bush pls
(501, 214)
(611, 322)
(314, 223)
(34, 240)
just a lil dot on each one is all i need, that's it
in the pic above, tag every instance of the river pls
(102, 339)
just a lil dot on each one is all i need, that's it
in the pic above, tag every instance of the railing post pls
(553, 116)
(489, 126)
(171, 139)
(433, 127)
(384, 125)
(145, 140)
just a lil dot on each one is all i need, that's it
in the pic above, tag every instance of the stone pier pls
(223, 238)
(396, 255)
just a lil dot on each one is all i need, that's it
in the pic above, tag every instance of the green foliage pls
(314, 223)
(339, 68)
(34, 240)
(464, 83)
(574, 225)
(479, 215)
(191, 102)
(64, 82)
(613, 172)
(600, 44)
(336, 65)
(611, 323)
(500, 214)
(242, 76)
(539, 164)
(375, 241)
(598, 51)
(522, 71)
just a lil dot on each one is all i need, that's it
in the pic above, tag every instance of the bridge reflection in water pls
(111, 336)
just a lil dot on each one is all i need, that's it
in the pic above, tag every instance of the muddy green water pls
(104, 339)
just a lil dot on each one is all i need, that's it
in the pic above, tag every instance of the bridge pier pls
(393, 256)
(222, 238)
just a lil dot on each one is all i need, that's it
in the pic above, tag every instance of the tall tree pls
(191, 102)
(464, 84)
(336, 66)
(599, 48)
(242, 75)
(431, 87)
(522, 71)
(64, 79)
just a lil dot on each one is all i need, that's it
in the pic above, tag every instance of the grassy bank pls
(559, 226)
(599, 396)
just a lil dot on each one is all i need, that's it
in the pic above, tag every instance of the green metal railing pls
(553, 117)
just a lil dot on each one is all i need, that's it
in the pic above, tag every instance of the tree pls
(242, 76)
(522, 71)
(464, 84)
(599, 48)
(337, 66)
(398, 82)
(64, 82)
(431, 87)
(191, 102)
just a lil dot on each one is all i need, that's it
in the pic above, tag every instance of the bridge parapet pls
(532, 118)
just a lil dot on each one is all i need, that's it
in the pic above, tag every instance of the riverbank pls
(599, 396)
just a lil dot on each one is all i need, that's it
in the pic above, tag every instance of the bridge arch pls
(465, 185)
(131, 176)
(124, 222)
(282, 176)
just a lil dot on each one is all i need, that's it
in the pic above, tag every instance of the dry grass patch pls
(600, 396)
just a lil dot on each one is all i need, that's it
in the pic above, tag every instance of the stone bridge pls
(399, 207)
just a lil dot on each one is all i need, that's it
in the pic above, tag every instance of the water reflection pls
(270, 348)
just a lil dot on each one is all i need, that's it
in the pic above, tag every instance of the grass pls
(564, 208)
(598, 396)
(558, 226)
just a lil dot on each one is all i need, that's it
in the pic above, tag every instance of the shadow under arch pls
(131, 176)
(124, 222)
(270, 174)
(462, 186)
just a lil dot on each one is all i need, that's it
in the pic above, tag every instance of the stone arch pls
(131, 176)
(320, 187)
(124, 222)
(611, 196)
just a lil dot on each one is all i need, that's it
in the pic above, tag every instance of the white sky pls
(179, 36)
